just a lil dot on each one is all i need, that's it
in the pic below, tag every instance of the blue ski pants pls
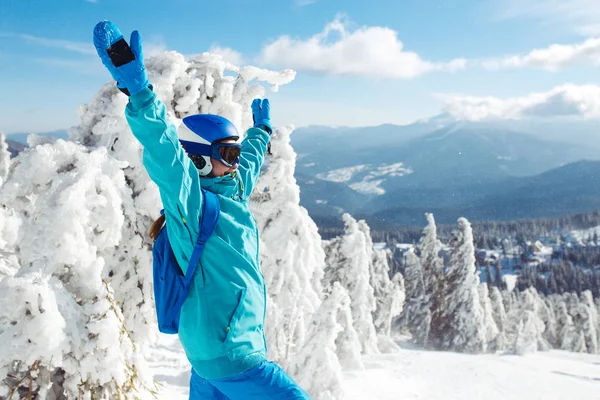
(265, 381)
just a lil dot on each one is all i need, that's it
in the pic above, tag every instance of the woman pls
(221, 320)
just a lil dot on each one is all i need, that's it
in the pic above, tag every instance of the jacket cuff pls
(142, 99)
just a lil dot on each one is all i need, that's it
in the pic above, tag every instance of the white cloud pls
(153, 46)
(580, 15)
(367, 51)
(228, 54)
(552, 58)
(562, 101)
(78, 47)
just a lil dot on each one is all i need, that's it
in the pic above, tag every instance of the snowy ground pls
(417, 374)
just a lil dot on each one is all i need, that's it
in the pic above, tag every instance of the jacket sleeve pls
(252, 156)
(170, 168)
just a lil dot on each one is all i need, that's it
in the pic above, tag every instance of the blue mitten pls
(261, 114)
(125, 64)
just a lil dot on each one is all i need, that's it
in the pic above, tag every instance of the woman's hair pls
(156, 227)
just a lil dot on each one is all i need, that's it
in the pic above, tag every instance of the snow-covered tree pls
(59, 311)
(433, 274)
(416, 315)
(545, 313)
(347, 261)
(526, 332)
(569, 338)
(576, 322)
(389, 293)
(389, 296)
(525, 327)
(499, 315)
(316, 366)
(462, 318)
(81, 212)
(491, 329)
(4, 158)
(292, 258)
(347, 343)
(588, 321)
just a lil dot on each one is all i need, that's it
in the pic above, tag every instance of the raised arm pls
(170, 168)
(164, 158)
(254, 145)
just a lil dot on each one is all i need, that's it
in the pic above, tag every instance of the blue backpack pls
(171, 286)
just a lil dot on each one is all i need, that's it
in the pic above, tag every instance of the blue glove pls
(261, 114)
(125, 64)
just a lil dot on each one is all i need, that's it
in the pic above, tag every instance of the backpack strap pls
(208, 222)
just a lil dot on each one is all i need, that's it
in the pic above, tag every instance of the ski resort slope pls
(416, 374)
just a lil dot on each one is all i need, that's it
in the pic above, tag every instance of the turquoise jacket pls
(221, 323)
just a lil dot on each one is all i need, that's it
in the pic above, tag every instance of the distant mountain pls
(571, 189)
(22, 137)
(572, 130)
(371, 170)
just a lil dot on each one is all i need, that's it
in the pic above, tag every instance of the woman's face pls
(220, 169)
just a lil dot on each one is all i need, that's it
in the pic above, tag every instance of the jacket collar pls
(227, 185)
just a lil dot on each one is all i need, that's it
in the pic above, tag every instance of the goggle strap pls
(197, 148)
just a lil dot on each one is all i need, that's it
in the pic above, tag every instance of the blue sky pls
(370, 62)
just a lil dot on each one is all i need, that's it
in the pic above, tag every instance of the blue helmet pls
(199, 131)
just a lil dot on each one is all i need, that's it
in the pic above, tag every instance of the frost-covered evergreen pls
(389, 293)
(433, 275)
(576, 322)
(316, 365)
(4, 158)
(416, 315)
(589, 321)
(347, 342)
(292, 258)
(74, 219)
(499, 315)
(525, 328)
(347, 261)
(67, 330)
(462, 317)
(569, 338)
(491, 329)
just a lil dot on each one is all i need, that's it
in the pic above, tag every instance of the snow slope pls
(416, 374)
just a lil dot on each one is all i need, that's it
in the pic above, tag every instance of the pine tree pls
(67, 330)
(347, 261)
(588, 321)
(316, 366)
(489, 277)
(4, 159)
(499, 281)
(389, 298)
(416, 315)
(347, 342)
(526, 326)
(499, 315)
(491, 329)
(462, 319)
(292, 258)
(434, 284)
(568, 337)
(526, 333)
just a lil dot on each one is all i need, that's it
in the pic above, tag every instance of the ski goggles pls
(227, 153)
